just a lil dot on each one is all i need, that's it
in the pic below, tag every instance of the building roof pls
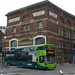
(1, 34)
(43, 3)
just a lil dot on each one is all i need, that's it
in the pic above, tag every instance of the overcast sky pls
(10, 5)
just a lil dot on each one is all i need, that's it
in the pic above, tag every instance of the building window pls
(60, 30)
(28, 26)
(14, 43)
(74, 27)
(40, 24)
(26, 18)
(14, 29)
(59, 43)
(24, 27)
(62, 44)
(39, 40)
(73, 34)
(66, 32)
(61, 20)
(68, 23)
(69, 33)
(67, 44)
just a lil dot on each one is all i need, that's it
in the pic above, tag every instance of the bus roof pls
(35, 46)
(45, 45)
(24, 47)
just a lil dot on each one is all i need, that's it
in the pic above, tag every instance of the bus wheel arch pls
(8, 63)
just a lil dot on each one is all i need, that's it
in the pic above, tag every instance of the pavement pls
(65, 68)
(63, 63)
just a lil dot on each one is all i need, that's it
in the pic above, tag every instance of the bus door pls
(41, 59)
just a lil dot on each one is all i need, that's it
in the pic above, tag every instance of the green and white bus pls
(36, 56)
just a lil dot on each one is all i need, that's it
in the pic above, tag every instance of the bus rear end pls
(8, 57)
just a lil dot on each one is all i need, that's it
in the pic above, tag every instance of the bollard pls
(60, 72)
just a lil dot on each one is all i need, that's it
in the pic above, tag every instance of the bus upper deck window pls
(35, 48)
(28, 49)
(31, 49)
(41, 48)
(24, 49)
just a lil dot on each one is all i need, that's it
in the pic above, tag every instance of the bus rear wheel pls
(20, 65)
(35, 66)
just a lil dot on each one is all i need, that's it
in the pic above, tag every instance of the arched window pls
(39, 40)
(14, 43)
(68, 23)
(61, 20)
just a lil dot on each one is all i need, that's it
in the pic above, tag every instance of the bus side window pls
(24, 49)
(35, 48)
(32, 48)
(28, 49)
(41, 59)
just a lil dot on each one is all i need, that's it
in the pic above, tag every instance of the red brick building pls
(42, 23)
(1, 36)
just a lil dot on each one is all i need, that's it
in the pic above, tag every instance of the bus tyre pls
(20, 65)
(8, 64)
(35, 66)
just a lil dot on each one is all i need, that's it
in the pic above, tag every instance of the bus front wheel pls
(35, 66)
(20, 65)
(8, 64)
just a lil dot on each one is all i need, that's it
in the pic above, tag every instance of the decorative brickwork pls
(55, 28)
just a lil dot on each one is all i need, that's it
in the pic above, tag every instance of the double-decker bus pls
(36, 56)
(8, 57)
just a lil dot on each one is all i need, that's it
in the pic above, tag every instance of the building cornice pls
(40, 4)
